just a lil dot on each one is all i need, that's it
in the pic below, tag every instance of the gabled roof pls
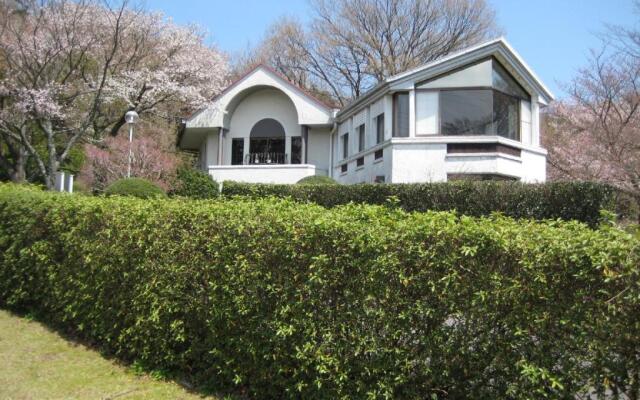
(282, 78)
(311, 111)
(496, 47)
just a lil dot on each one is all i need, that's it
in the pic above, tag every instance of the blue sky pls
(553, 36)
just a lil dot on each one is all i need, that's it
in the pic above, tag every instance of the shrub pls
(580, 201)
(153, 160)
(195, 184)
(287, 300)
(136, 187)
(317, 180)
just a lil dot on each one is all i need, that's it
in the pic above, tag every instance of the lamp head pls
(131, 117)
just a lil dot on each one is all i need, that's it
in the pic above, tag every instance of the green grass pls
(37, 363)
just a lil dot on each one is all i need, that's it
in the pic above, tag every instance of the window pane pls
(426, 113)
(466, 112)
(237, 151)
(401, 115)
(380, 128)
(345, 145)
(361, 138)
(504, 82)
(506, 115)
(296, 150)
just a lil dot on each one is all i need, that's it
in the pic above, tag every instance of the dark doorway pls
(267, 143)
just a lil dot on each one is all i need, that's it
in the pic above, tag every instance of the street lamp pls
(131, 117)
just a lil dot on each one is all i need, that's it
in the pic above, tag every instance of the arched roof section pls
(310, 110)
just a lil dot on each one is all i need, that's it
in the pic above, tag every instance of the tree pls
(71, 70)
(594, 134)
(353, 44)
(109, 163)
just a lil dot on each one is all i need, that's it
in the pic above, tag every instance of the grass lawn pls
(37, 363)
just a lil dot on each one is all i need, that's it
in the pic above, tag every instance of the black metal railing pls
(266, 158)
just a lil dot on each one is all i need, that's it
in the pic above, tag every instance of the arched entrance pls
(267, 143)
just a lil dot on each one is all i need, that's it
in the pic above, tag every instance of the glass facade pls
(491, 111)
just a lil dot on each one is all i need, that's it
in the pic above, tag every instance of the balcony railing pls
(266, 158)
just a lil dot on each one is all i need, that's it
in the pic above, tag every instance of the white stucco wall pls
(534, 166)
(211, 142)
(418, 163)
(318, 152)
(282, 173)
(368, 172)
(264, 103)
(500, 164)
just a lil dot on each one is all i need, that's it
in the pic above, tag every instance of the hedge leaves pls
(286, 300)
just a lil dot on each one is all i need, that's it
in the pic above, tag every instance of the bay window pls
(491, 108)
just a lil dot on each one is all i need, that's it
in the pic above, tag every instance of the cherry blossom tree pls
(70, 70)
(109, 162)
(594, 134)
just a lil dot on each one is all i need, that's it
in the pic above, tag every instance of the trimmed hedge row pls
(580, 201)
(136, 187)
(278, 299)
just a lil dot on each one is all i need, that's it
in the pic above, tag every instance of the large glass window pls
(237, 151)
(479, 112)
(493, 110)
(296, 150)
(466, 112)
(506, 115)
(401, 114)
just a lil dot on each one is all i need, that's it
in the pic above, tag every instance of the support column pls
(305, 139)
(412, 113)
(535, 121)
(220, 145)
(388, 116)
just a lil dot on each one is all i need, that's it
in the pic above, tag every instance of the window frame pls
(241, 141)
(396, 126)
(379, 131)
(300, 148)
(362, 133)
(491, 89)
(345, 145)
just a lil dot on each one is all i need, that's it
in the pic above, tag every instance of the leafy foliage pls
(285, 300)
(136, 187)
(580, 201)
(317, 180)
(195, 184)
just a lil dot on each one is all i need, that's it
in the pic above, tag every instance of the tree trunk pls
(18, 172)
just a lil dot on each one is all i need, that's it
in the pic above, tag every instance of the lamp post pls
(131, 117)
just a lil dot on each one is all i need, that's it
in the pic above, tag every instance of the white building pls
(471, 114)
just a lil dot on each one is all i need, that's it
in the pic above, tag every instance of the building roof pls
(455, 60)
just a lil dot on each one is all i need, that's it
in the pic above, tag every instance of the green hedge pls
(195, 184)
(276, 299)
(580, 201)
(317, 180)
(136, 187)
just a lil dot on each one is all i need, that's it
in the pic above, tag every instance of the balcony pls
(265, 158)
(264, 173)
